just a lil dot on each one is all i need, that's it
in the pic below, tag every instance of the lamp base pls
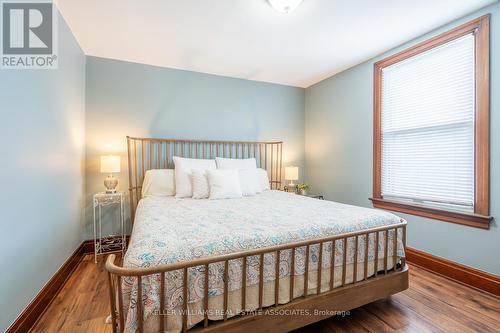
(110, 183)
(291, 187)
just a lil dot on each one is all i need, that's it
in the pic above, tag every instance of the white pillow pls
(250, 181)
(224, 184)
(236, 163)
(199, 180)
(158, 182)
(183, 169)
(263, 180)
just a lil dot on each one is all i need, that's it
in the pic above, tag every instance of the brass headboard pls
(152, 153)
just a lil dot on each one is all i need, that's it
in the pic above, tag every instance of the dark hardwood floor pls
(431, 304)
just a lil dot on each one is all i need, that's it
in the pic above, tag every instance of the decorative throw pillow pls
(236, 163)
(183, 169)
(201, 189)
(158, 182)
(224, 184)
(250, 182)
(263, 180)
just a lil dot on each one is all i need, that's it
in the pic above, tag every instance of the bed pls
(187, 258)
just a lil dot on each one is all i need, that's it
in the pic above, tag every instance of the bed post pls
(130, 187)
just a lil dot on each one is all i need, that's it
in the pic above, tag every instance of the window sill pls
(469, 219)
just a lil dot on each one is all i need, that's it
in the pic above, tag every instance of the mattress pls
(168, 230)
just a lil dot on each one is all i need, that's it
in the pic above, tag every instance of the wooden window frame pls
(480, 217)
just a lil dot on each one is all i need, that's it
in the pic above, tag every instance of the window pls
(431, 128)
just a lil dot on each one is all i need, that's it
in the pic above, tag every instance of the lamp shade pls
(110, 164)
(291, 173)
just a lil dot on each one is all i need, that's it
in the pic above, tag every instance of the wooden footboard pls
(318, 306)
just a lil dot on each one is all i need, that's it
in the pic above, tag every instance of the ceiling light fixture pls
(285, 6)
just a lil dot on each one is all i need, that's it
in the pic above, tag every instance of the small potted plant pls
(303, 188)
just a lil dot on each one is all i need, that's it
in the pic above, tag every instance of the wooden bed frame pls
(148, 153)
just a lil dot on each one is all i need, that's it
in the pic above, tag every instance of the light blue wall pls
(126, 98)
(339, 138)
(42, 147)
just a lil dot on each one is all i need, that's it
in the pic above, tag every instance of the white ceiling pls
(248, 39)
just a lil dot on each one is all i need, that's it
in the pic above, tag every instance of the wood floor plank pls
(340, 324)
(487, 317)
(468, 297)
(451, 312)
(444, 323)
(399, 317)
(372, 323)
(82, 305)
(431, 304)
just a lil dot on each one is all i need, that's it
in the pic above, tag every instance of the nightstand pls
(312, 195)
(108, 243)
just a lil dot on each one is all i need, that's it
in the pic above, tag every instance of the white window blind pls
(428, 127)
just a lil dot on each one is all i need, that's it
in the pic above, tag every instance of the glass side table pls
(108, 243)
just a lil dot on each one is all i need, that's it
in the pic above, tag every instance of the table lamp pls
(291, 174)
(110, 164)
